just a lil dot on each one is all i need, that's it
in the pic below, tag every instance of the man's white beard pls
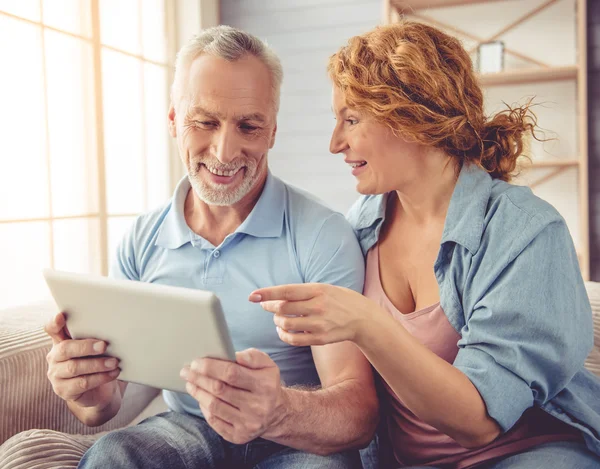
(222, 194)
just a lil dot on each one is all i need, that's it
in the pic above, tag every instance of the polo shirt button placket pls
(216, 254)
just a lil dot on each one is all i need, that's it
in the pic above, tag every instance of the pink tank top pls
(416, 443)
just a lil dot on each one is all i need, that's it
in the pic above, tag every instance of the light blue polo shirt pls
(289, 237)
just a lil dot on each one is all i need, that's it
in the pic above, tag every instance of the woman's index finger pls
(291, 292)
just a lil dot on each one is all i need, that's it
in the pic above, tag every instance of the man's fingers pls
(230, 373)
(68, 349)
(214, 406)
(84, 366)
(73, 388)
(233, 396)
(292, 292)
(56, 328)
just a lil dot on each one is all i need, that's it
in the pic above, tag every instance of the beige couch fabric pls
(44, 449)
(49, 449)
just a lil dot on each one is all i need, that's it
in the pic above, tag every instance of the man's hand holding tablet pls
(81, 375)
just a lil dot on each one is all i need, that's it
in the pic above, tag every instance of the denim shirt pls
(510, 284)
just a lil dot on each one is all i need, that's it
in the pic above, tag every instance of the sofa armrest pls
(28, 400)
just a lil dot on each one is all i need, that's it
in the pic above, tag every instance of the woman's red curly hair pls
(420, 82)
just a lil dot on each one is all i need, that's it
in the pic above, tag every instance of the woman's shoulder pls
(521, 201)
(515, 214)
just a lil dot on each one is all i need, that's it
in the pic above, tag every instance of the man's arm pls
(342, 414)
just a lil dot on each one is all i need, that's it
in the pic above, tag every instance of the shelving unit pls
(529, 68)
(533, 75)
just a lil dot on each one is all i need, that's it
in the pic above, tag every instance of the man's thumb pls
(253, 358)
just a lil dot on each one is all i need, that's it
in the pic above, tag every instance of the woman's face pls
(381, 162)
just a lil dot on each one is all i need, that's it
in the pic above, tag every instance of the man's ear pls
(171, 118)
(272, 143)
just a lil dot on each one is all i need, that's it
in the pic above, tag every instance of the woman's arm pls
(431, 388)
(528, 332)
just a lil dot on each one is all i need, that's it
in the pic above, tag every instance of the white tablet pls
(154, 330)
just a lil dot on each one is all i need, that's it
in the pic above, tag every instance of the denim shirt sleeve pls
(529, 328)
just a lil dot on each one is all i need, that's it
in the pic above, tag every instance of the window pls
(84, 145)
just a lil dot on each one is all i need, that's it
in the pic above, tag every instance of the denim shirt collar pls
(264, 221)
(466, 212)
(464, 220)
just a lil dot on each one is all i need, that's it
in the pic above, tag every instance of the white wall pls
(305, 33)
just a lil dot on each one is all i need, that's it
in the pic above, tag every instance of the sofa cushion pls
(44, 449)
(49, 449)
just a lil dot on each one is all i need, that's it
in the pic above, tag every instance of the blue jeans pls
(558, 455)
(174, 440)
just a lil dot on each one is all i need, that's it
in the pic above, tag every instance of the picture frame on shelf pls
(490, 57)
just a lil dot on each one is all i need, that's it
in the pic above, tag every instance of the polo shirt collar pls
(266, 218)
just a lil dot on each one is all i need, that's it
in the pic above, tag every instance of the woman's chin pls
(364, 189)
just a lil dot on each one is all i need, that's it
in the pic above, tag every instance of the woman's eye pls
(352, 121)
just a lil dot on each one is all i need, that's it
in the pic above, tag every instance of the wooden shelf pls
(413, 5)
(552, 163)
(532, 75)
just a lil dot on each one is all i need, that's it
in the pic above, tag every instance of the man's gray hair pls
(230, 44)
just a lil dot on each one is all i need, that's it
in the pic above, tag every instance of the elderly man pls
(232, 227)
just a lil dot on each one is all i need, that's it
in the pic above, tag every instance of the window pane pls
(157, 135)
(120, 25)
(154, 35)
(73, 16)
(29, 9)
(73, 164)
(123, 136)
(24, 252)
(117, 227)
(22, 128)
(76, 245)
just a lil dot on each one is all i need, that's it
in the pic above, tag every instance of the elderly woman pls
(474, 311)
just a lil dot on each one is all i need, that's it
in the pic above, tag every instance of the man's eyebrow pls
(200, 110)
(256, 116)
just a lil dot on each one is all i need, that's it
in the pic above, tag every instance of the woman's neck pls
(426, 198)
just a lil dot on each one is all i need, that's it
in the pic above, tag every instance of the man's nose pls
(226, 146)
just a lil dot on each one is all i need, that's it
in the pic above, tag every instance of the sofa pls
(37, 430)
